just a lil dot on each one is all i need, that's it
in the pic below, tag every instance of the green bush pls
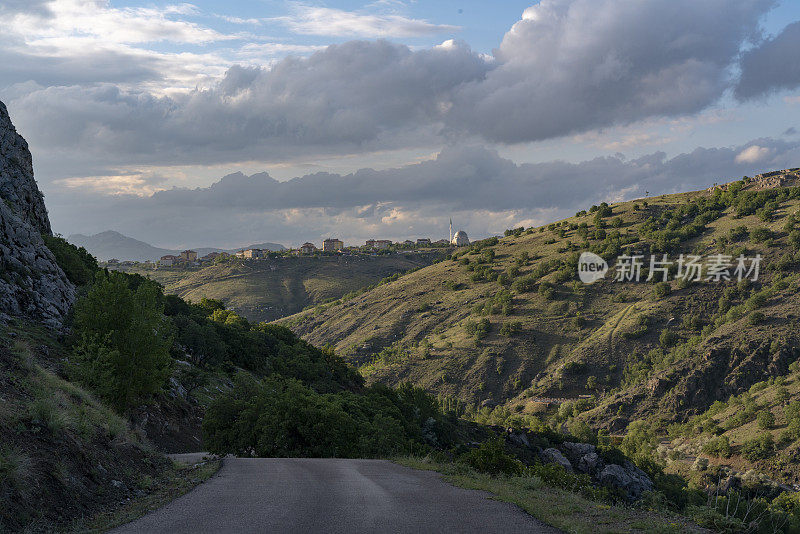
(719, 447)
(492, 458)
(511, 328)
(122, 340)
(661, 290)
(284, 418)
(760, 234)
(79, 266)
(758, 448)
(479, 329)
(765, 419)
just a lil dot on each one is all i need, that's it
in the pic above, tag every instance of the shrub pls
(758, 448)
(739, 233)
(667, 338)
(511, 328)
(546, 290)
(284, 418)
(719, 447)
(79, 266)
(760, 234)
(492, 458)
(661, 290)
(479, 329)
(524, 284)
(756, 317)
(122, 340)
(765, 419)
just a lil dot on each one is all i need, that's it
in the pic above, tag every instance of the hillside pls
(508, 324)
(269, 289)
(109, 244)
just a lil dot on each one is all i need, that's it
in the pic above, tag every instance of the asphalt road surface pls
(268, 495)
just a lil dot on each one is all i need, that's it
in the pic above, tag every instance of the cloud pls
(84, 42)
(484, 192)
(568, 66)
(772, 66)
(92, 20)
(310, 20)
(36, 7)
(753, 154)
(354, 97)
(573, 65)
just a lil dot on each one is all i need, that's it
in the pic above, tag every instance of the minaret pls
(451, 229)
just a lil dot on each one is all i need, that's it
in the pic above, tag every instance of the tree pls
(765, 420)
(122, 340)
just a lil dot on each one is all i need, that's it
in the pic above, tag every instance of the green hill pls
(505, 325)
(265, 290)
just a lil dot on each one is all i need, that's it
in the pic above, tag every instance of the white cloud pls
(573, 65)
(311, 20)
(753, 154)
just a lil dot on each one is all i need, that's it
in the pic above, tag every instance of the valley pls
(505, 327)
(265, 290)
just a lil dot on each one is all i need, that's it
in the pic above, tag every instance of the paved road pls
(331, 496)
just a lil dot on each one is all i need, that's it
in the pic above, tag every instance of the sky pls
(217, 123)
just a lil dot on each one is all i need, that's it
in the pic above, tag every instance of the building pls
(168, 260)
(441, 242)
(189, 255)
(408, 243)
(460, 239)
(332, 245)
(308, 248)
(253, 253)
(423, 241)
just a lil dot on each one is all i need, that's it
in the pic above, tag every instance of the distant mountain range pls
(107, 245)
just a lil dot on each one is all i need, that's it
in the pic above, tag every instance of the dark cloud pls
(573, 65)
(107, 66)
(772, 66)
(567, 66)
(36, 7)
(351, 97)
(486, 192)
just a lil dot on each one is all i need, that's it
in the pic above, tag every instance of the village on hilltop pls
(329, 246)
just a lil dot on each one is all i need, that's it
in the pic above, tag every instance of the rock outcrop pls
(31, 282)
(619, 474)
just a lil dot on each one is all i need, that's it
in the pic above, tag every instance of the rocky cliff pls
(31, 282)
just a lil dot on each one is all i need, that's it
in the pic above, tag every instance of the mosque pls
(458, 239)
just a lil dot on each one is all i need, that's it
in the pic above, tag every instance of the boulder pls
(554, 456)
(518, 438)
(627, 478)
(576, 451)
(590, 463)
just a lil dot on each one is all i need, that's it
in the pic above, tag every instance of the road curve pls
(332, 496)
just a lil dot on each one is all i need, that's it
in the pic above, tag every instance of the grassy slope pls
(63, 455)
(565, 510)
(269, 289)
(423, 321)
